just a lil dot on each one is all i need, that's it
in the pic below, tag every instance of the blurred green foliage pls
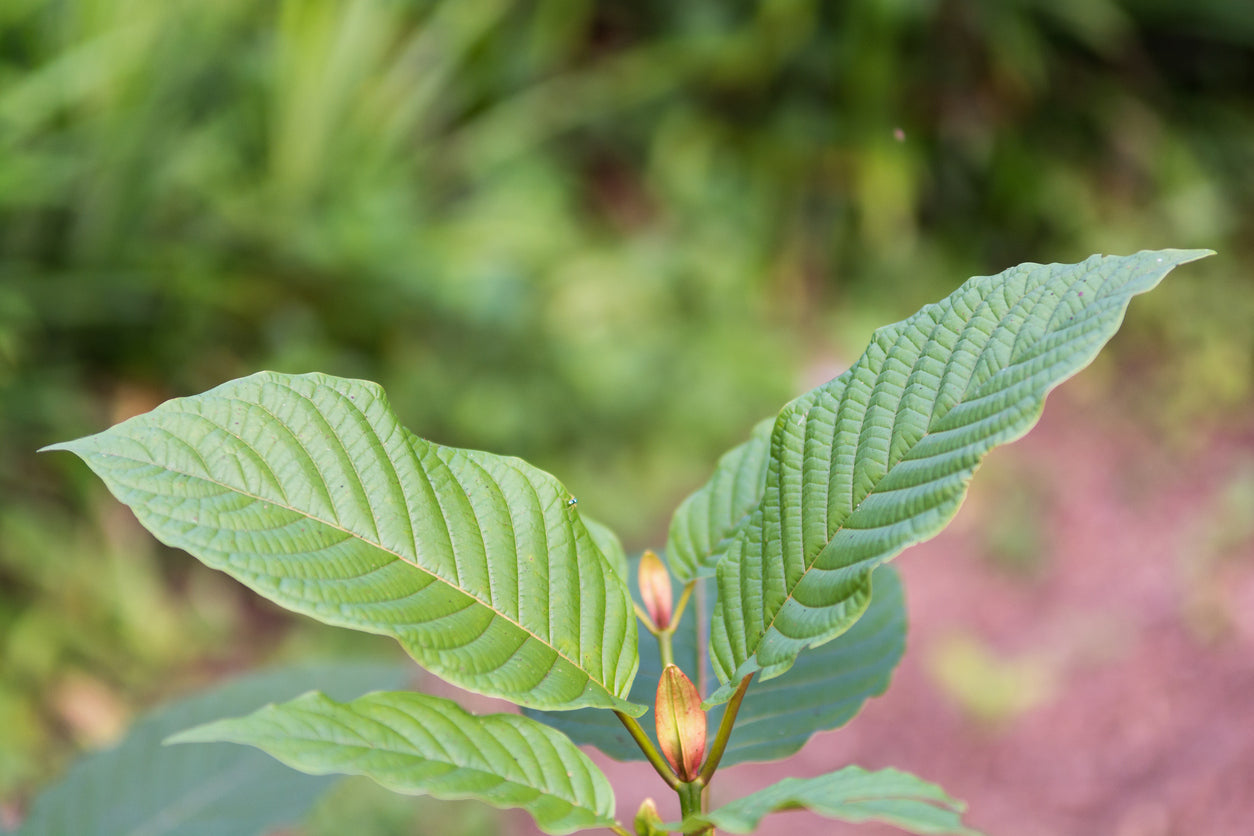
(604, 237)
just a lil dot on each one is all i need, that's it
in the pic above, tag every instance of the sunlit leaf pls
(879, 458)
(308, 490)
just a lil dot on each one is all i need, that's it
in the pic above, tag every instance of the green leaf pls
(879, 458)
(140, 788)
(424, 745)
(609, 544)
(824, 690)
(827, 687)
(703, 524)
(853, 795)
(308, 490)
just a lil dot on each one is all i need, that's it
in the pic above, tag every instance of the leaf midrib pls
(341, 528)
(461, 767)
(791, 589)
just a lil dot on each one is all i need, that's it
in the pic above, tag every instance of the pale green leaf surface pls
(824, 690)
(851, 794)
(610, 546)
(308, 490)
(703, 523)
(424, 745)
(141, 788)
(880, 458)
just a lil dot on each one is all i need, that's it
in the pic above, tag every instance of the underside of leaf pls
(880, 458)
(424, 745)
(308, 490)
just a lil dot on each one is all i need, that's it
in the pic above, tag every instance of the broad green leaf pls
(827, 686)
(308, 490)
(852, 795)
(824, 690)
(141, 788)
(424, 745)
(879, 458)
(703, 523)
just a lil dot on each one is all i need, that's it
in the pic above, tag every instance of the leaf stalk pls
(724, 731)
(650, 751)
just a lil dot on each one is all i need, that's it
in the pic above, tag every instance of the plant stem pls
(691, 803)
(690, 798)
(650, 751)
(724, 731)
(665, 648)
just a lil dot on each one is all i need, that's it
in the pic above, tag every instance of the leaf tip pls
(204, 733)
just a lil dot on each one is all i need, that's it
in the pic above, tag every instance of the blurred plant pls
(487, 572)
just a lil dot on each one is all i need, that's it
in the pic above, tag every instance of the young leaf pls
(423, 745)
(879, 458)
(141, 787)
(824, 690)
(704, 522)
(853, 795)
(654, 583)
(308, 490)
(680, 723)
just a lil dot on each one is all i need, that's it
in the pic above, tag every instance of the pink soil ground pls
(1140, 617)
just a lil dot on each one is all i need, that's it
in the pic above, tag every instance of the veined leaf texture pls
(308, 490)
(880, 457)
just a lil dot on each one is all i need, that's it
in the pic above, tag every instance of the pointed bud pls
(655, 589)
(680, 723)
(648, 822)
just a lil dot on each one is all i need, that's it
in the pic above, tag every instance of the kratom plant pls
(488, 572)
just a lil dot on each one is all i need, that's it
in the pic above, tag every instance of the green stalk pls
(690, 798)
(683, 602)
(724, 732)
(650, 751)
(665, 648)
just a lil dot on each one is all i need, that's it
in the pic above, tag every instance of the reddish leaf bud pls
(655, 589)
(680, 723)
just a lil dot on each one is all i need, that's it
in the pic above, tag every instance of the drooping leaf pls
(423, 745)
(703, 523)
(879, 458)
(853, 795)
(824, 690)
(308, 490)
(141, 788)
